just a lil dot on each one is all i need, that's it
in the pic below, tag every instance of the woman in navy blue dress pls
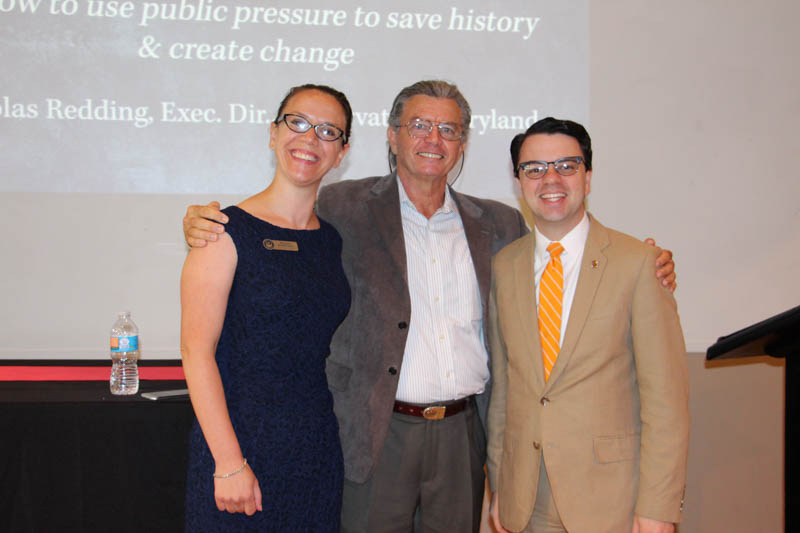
(259, 307)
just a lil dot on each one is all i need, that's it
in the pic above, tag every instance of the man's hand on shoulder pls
(200, 224)
(648, 525)
(665, 267)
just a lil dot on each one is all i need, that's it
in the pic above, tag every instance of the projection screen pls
(120, 113)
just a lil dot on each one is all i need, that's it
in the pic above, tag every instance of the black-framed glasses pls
(566, 166)
(300, 124)
(421, 128)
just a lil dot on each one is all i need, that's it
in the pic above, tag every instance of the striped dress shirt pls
(445, 357)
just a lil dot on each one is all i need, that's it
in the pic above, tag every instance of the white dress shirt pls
(445, 357)
(573, 242)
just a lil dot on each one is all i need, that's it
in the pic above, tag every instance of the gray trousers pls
(429, 479)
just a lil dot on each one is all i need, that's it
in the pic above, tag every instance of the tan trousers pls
(545, 517)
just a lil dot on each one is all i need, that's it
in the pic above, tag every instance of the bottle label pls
(125, 344)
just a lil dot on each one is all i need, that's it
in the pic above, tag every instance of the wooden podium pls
(778, 336)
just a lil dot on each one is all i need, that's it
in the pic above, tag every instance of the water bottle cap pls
(124, 314)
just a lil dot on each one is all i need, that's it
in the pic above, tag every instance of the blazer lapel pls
(522, 266)
(478, 230)
(593, 265)
(385, 209)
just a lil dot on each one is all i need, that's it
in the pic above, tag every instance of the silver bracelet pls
(229, 474)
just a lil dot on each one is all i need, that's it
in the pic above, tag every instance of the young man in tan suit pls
(589, 419)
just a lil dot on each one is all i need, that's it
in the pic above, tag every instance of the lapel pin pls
(594, 263)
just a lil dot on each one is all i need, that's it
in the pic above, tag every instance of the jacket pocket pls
(616, 448)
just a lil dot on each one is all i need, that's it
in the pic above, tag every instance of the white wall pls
(694, 113)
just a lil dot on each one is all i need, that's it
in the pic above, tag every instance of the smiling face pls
(557, 202)
(427, 158)
(303, 158)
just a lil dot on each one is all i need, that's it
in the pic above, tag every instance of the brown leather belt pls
(431, 412)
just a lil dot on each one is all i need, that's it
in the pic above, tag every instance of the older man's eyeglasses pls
(566, 166)
(300, 124)
(421, 128)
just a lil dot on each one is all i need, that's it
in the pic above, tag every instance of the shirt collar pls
(449, 205)
(573, 242)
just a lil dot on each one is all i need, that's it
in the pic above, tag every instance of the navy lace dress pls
(283, 308)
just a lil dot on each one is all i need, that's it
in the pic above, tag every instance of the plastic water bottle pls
(124, 355)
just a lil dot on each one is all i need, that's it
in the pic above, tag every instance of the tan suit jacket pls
(612, 422)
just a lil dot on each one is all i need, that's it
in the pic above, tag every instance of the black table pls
(75, 458)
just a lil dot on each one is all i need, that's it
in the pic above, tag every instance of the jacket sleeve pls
(661, 371)
(497, 403)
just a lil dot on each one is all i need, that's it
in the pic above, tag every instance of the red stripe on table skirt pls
(83, 373)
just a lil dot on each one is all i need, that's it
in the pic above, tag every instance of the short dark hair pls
(338, 95)
(551, 126)
(434, 89)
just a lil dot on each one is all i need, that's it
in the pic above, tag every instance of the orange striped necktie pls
(551, 293)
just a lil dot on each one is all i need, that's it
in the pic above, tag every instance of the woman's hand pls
(239, 493)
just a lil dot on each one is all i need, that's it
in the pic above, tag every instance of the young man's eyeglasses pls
(566, 166)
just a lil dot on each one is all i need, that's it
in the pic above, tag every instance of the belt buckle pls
(434, 412)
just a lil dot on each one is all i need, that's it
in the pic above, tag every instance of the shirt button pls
(436, 299)
(392, 371)
(433, 260)
(402, 325)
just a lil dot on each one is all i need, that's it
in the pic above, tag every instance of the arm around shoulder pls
(200, 224)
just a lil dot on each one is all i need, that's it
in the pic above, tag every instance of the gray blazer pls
(367, 349)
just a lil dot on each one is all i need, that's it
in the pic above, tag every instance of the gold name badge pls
(284, 246)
